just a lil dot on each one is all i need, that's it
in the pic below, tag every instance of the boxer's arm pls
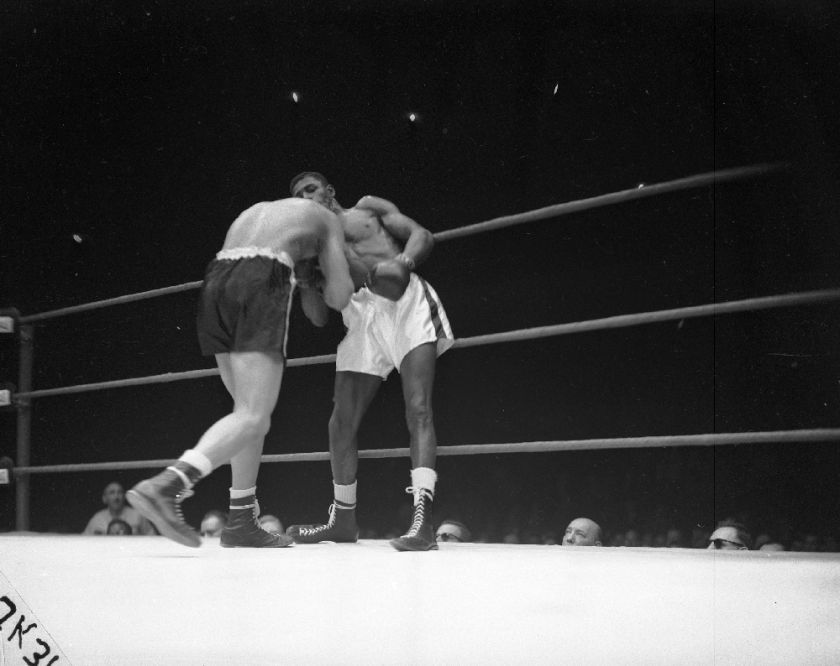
(310, 281)
(313, 306)
(338, 287)
(418, 240)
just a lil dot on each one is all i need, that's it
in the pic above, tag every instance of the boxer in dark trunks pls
(242, 319)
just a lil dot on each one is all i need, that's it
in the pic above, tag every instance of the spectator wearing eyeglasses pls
(582, 532)
(730, 535)
(452, 530)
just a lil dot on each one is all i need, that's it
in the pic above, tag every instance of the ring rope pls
(710, 439)
(617, 321)
(567, 208)
(621, 196)
(117, 300)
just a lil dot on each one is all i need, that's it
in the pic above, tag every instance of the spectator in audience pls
(616, 540)
(113, 497)
(452, 530)
(119, 527)
(675, 538)
(582, 532)
(631, 538)
(760, 540)
(213, 523)
(512, 536)
(271, 524)
(811, 543)
(730, 535)
(772, 546)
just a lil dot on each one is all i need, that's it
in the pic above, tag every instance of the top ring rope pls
(622, 196)
(698, 180)
(617, 321)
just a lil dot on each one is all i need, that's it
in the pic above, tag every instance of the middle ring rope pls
(618, 321)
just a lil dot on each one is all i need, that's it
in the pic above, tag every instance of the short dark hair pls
(118, 522)
(307, 174)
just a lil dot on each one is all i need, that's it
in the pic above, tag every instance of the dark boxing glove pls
(308, 274)
(389, 278)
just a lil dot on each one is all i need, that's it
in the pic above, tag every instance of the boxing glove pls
(308, 275)
(389, 278)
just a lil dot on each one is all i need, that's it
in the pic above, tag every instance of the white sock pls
(345, 495)
(239, 494)
(424, 477)
(198, 460)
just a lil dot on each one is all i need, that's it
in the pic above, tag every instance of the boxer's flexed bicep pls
(418, 240)
(338, 287)
(398, 224)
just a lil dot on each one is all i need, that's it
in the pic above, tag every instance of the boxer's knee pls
(418, 414)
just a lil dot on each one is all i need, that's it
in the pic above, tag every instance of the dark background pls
(145, 128)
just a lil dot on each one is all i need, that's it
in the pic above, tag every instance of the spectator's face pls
(581, 532)
(449, 532)
(313, 189)
(114, 497)
(212, 526)
(726, 538)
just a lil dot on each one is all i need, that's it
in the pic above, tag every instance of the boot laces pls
(186, 493)
(312, 531)
(421, 496)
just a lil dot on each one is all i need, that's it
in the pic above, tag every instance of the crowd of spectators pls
(534, 527)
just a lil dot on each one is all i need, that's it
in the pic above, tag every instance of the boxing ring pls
(145, 600)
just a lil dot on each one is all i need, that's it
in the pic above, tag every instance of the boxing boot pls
(159, 500)
(340, 528)
(420, 535)
(243, 530)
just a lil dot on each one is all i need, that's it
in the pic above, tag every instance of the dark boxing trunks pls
(244, 303)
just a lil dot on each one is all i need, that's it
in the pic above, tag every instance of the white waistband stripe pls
(254, 251)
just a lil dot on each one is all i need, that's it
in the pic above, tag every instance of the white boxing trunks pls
(380, 332)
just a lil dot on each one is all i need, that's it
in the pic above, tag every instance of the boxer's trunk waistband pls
(253, 251)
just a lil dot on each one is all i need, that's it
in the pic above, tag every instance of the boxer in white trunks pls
(394, 320)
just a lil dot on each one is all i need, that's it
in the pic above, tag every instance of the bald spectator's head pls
(213, 523)
(271, 523)
(582, 532)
